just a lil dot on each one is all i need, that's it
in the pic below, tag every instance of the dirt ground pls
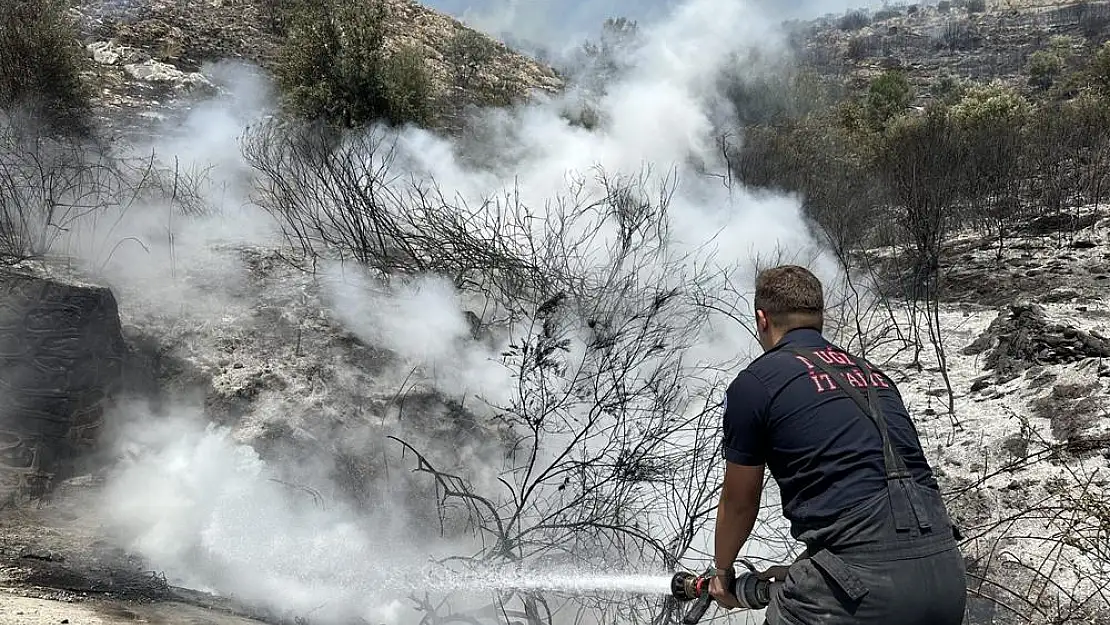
(31, 611)
(57, 569)
(18, 609)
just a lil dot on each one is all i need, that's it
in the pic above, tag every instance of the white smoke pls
(190, 499)
(662, 118)
(424, 322)
(213, 515)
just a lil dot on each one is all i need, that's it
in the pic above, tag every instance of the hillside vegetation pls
(874, 167)
(428, 65)
(41, 63)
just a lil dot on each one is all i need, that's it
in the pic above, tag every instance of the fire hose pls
(751, 591)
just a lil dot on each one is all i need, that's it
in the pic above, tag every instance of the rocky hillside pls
(147, 53)
(937, 40)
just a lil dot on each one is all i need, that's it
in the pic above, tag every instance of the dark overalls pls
(891, 560)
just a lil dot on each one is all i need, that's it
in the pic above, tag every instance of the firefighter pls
(854, 482)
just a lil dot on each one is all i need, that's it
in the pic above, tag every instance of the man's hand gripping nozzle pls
(751, 590)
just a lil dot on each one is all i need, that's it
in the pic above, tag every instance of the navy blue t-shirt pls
(824, 452)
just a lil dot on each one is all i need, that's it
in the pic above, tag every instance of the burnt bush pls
(975, 6)
(959, 35)
(1022, 337)
(887, 13)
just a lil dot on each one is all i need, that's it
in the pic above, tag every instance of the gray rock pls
(981, 383)
(1021, 338)
(61, 356)
(111, 53)
(157, 72)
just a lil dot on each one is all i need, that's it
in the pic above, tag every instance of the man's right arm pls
(744, 423)
(743, 443)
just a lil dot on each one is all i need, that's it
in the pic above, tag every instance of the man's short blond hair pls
(791, 297)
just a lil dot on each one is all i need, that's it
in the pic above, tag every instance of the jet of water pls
(584, 583)
(576, 582)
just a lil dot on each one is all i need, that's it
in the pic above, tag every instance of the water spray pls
(751, 588)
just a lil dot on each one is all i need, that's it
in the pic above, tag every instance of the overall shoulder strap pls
(870, 407)
(895, 465)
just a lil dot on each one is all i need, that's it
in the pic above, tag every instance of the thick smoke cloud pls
(190, 498)
(422, 322)
(211, 513)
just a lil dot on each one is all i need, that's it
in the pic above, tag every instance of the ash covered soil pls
(1024, 456)
(266, 357)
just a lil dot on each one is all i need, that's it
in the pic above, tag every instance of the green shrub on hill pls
(888, 96)
(984, 156)
(1045, 67)
(41, 60)
(337, 65)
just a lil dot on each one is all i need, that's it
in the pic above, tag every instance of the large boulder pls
(61, 357)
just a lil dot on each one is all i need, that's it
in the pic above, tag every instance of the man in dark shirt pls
(855, 484)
